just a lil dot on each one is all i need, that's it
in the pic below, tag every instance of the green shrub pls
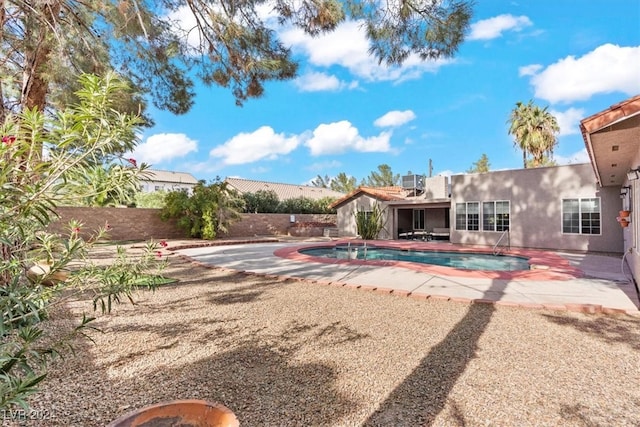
(208, 212)
(262, 201)
(155, 199)
(38, 268)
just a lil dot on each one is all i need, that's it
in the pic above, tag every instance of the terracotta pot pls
(623, 223)
(624, 214)
(186, 413)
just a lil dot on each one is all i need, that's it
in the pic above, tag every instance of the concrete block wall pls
(125, 223)
(145, 224)
(253, 225)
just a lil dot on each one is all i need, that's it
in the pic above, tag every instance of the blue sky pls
(345, 113)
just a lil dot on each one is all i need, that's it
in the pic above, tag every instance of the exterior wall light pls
(624, 190)
(632, 175)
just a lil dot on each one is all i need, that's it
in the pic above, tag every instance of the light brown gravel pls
(299, 354)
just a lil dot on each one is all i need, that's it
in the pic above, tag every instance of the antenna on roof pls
(430, 168)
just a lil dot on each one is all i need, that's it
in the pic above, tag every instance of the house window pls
(418, 219)
(581, 216)
(158, 188)
(495, 216)
(468, 216)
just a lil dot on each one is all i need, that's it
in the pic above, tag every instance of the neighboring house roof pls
(153, 175)
(384, 194)
(283, 191)
(612, 138)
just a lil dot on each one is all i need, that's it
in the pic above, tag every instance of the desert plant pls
(369, 223)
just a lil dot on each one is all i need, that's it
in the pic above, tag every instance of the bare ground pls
(294, 353)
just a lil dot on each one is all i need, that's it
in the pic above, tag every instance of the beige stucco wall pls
(435, 218)
(347, 220)
(436, 187)
(632, 233)
(536, 207)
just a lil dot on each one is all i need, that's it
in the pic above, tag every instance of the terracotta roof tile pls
(385, 194)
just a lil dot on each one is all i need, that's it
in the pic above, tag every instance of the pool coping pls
(545, 265)
(562, 271)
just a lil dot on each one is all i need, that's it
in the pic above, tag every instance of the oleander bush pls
(46, 161)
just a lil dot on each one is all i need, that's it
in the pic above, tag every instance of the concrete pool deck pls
(589, 283)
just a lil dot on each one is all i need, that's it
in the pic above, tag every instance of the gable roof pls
(283, 191)
(169, 176)
(383, 194)
(612, 138)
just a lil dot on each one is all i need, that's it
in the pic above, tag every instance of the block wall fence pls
(145, 224)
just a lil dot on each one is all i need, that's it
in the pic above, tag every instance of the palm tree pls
(534, 130)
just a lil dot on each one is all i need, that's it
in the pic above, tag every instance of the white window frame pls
(466, 216)
(580, 226)
(495, 215)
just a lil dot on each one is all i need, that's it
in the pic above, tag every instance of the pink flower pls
(133, 162)
(159, 254)
(107, 226)
(163, 243)
(76, 230)
(8, 140)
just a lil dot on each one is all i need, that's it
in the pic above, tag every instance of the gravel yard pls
(290, 353)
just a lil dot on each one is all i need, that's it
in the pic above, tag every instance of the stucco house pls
(160, 180)
(570, 207)
(612, 138)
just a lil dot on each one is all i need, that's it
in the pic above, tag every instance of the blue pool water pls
(466, 261)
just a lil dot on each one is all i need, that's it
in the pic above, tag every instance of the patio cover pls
(612, 138)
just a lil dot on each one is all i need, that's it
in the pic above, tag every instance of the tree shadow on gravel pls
(263, 386)
(607, 328)
(262, 380)
(241, 293)
(589, 416)
(422, 395)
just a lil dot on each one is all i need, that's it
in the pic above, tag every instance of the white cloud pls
(395, 118)
(608, 68)
(529, 70)
(338, 137)
(579, 157)
(348, 47)
(321, 166)
(164, 146)
(263, 143)
(316, 82)
(187, 24)
(569, 120)
(493, 28)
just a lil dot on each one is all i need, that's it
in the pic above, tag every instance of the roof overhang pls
(433, 203)
(377, 194)
(612, 138)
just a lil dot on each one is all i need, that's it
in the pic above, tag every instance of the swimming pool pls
(461, 260)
